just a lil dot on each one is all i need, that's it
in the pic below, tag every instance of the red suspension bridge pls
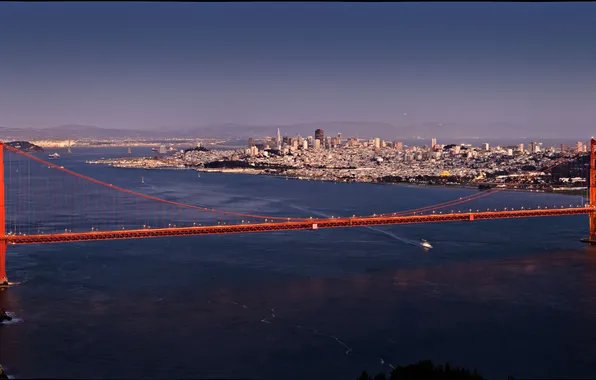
(40, 208)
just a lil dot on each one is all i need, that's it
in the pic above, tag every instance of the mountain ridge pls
(362, 129)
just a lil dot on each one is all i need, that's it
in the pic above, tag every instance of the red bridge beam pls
(289, 226)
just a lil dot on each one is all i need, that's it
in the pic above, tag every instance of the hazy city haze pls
(484, 69)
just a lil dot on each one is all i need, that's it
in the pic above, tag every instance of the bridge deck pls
(288, 226)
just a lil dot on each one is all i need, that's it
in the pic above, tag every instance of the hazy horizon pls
(468, 67)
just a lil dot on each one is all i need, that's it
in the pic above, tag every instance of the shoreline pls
(262, 172)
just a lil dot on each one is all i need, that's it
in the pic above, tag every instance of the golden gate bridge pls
(31, 196)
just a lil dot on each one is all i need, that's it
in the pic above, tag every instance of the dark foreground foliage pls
(425, 370)
(3, 375)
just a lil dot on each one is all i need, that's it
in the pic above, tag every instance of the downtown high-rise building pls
(433, 142)
(320, 135)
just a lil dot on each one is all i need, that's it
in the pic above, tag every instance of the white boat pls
(425, 244)
(53, 156)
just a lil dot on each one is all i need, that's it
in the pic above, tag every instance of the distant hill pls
(364, 129)
(75, 131)
(25, 146)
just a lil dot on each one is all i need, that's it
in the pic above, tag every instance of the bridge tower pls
(3, 278)
(592, 215)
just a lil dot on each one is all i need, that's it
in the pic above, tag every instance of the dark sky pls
(150, 65)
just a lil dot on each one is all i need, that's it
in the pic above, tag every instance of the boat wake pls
(386, 233)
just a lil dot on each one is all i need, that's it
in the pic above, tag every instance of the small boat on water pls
(425, 244)
(53, 156)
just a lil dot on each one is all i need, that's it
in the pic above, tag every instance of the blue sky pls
(154, 65)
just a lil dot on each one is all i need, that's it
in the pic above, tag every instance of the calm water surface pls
(514, 297)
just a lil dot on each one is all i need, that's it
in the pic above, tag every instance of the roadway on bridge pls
(311, 224)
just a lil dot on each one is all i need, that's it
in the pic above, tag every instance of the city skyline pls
(472, 69)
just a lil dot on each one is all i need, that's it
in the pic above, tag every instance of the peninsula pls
(363, 162)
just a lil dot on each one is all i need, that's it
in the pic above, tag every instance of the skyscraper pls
(433, 142)
(278, 140)
(320, 135)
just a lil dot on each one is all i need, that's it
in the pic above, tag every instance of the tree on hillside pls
(425, 370)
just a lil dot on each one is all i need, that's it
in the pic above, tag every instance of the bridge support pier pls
(591, 239)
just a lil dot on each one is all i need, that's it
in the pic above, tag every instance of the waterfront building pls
(579, 147)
